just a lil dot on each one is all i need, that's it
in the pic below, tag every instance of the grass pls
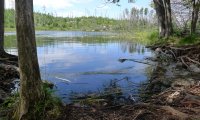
(190, 39)
(50, 107)
(147, 36)
(141, 36)
(151, 38)
(182, 40)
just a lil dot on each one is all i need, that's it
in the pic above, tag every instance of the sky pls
(77, 8)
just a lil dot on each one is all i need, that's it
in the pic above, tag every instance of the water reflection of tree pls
(126, 46)
(132, 47)
(11, 42)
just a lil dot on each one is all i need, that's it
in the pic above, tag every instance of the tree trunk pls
(30, 80)
(163, 11)
(1, 27)
(195, 15)
(3, 54)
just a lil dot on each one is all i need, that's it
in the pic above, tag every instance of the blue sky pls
(76, 8)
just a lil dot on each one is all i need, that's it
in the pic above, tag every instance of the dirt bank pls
(8, 73)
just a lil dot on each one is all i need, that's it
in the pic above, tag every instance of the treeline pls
(50, 22)
(136, 18)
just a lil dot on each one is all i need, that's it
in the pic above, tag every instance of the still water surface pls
(86, 61)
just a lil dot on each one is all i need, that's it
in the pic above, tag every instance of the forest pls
(48, 21)
(142, 65)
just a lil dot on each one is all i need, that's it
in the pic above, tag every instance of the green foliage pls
(176, 39)
(11, 101)
(49, 107)
(153, 36)
(147, 36)
(190, 39)
(8, 106)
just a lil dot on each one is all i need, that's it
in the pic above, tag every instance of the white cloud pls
(58, 4)
(52, 3)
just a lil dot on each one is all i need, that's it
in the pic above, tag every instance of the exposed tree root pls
(187, 55)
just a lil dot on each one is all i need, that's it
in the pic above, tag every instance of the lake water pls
(86, 61)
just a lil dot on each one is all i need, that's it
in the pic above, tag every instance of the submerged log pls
(133, 60)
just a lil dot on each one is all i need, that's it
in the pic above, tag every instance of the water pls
(86, 61)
